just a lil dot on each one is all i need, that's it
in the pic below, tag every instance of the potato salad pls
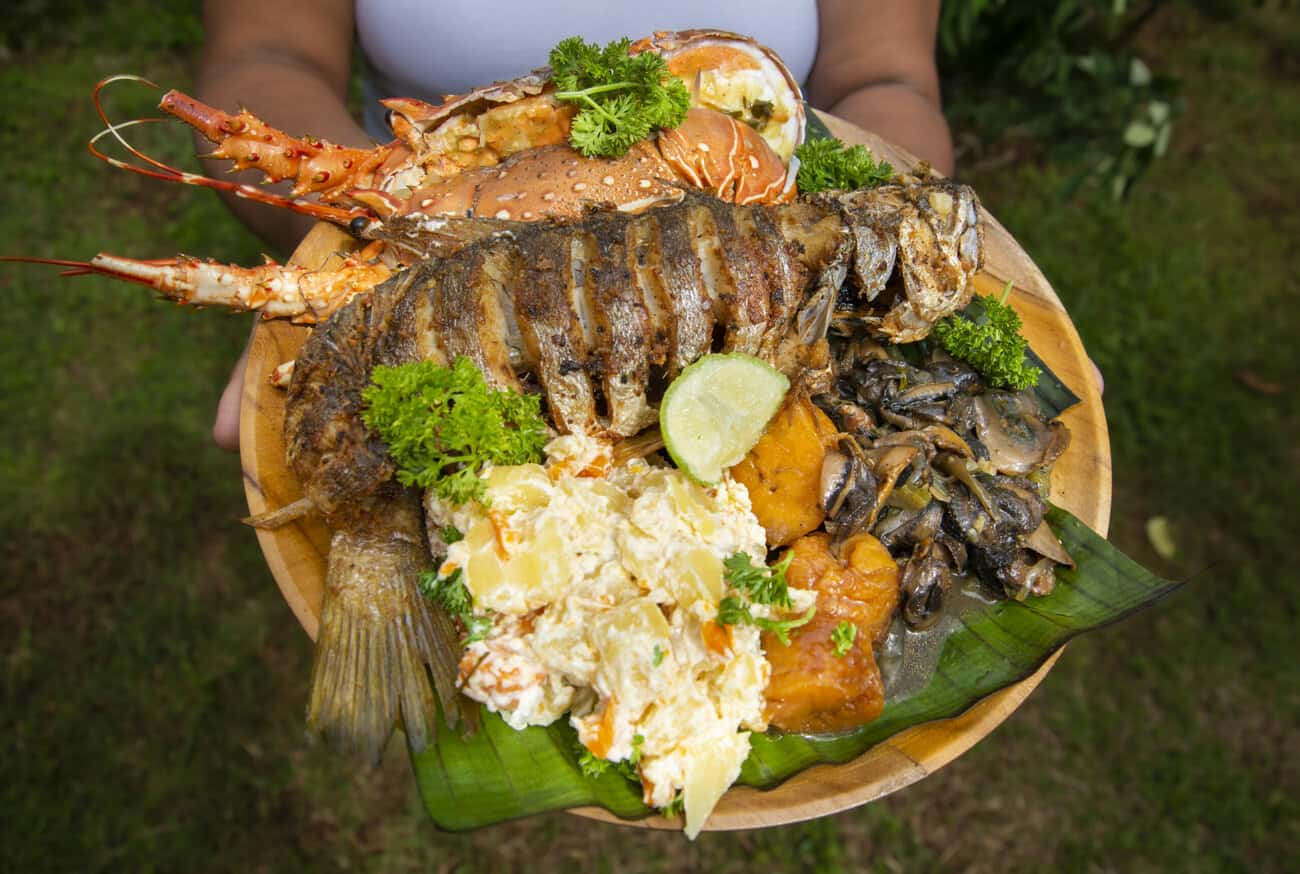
(596, 591)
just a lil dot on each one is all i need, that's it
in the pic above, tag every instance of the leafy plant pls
(1062, 73)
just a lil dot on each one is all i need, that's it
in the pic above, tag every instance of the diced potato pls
(711, 769)
(481, 534)
(484, 575)
(519, 486)
(524, 578)
(626, 637)
(693, 506)
(617, 499)
(698, 577)
(783, 471)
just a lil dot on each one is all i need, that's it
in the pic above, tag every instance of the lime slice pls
(716, 410)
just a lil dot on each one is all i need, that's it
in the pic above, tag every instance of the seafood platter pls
(619, 465)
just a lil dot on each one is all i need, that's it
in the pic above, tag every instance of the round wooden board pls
(1081, 483)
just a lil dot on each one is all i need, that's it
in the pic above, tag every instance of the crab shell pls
(709, 151)
(724, 71)
(737, 76)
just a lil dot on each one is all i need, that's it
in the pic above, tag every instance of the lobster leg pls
(315, 166)
(275, 290)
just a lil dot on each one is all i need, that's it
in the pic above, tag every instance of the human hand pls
(225, 430)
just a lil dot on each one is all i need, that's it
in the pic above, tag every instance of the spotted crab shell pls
(723, 70)
(736, 75)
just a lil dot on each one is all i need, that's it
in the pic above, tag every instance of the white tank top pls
(424, 49)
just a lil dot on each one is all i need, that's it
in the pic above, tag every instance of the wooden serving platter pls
(1081, 483)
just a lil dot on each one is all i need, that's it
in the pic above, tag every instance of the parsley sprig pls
(763, 584)
(734, 611)
(993, 346)
(760, 585)
(843, 636)
(442, 424)
(450, 593)
(593, 766)
(623, 98)
(827, 163)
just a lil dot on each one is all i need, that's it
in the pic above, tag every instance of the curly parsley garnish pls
(593, 766)
(449, 593)
(763, 584)
(676, 807)
(442, 424)
(992, 346)
(622, 98)
(826, 164)
(843, 636)
(760, 585)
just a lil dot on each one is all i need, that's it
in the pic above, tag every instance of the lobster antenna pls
(114, 129)
(171, 174)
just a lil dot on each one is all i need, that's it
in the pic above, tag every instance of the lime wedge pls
(716, 410)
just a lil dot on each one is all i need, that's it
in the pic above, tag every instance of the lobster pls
(596, 307)
(496, 152)
(499, 150)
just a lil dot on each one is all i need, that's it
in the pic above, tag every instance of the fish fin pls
(436, 236)
(379, 639)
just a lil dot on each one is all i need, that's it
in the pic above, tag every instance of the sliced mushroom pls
(887, 465)
(1024, 576)
(854, 420)
(1018, 439)
(904, 527)
(958, 470)
(967, 379)
(848, 494)
(923, 394)
(943, 437)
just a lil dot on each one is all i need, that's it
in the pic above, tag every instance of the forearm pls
(875, 67)
(903, 116)
(288, 63)
(292, 97)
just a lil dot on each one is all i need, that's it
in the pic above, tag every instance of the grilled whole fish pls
(599, 315)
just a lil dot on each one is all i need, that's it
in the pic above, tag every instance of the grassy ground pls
(152, 681)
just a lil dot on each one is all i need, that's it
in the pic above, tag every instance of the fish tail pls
(383, 650)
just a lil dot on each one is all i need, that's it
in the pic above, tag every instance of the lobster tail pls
(377, 637)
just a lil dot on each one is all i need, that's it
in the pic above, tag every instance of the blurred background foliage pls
(152, 680)
(1064, 76)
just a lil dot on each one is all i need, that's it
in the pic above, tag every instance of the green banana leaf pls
(499, 774)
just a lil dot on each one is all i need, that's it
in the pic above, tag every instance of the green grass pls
(153, 682)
